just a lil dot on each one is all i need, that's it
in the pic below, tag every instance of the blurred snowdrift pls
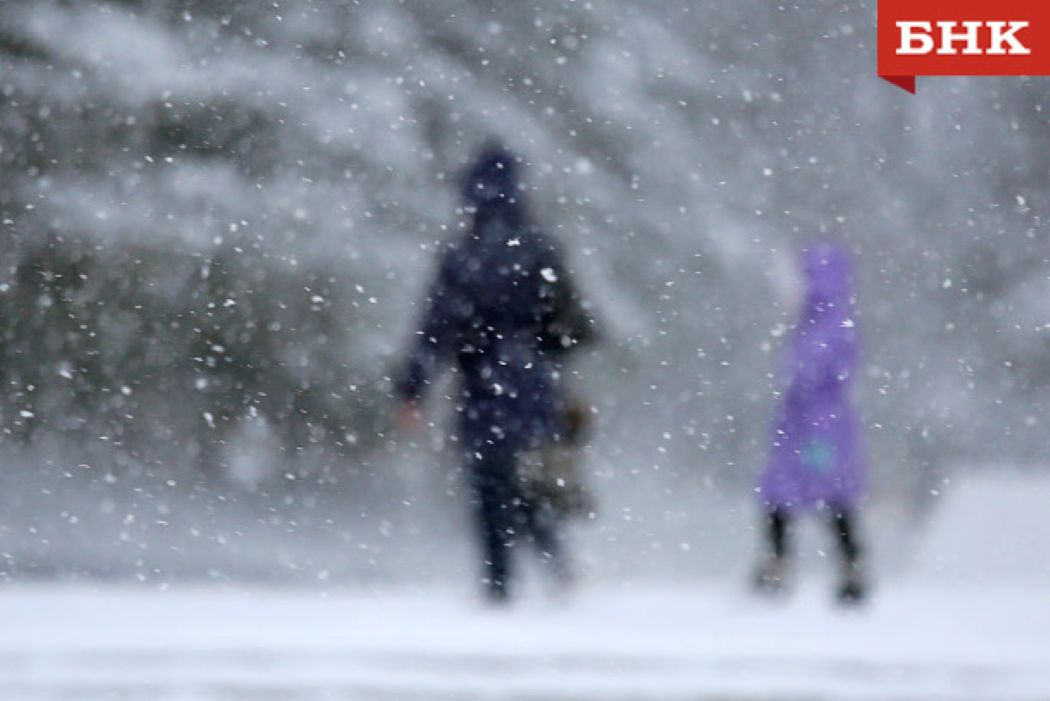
(993, 527)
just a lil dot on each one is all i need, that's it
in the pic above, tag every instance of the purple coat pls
(816, 457)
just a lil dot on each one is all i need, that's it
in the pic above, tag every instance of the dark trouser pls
(504, 517)
(843, 525)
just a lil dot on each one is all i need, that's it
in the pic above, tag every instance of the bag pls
(550, 475)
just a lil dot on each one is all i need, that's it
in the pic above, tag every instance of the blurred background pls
(217, 218)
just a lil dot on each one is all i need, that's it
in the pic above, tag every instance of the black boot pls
(771, 576)
(496, 593)
(853, 589)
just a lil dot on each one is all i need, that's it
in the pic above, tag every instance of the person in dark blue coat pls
(490, 311)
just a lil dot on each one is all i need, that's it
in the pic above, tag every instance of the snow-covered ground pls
(968, 620)
(714, 642)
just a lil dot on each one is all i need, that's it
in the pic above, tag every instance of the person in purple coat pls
(816, 461)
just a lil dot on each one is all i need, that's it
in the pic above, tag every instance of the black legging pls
(842, 525)
(505, 518)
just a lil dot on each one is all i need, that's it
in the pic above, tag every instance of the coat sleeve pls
(435, 337)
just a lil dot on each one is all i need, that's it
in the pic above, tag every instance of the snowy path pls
(916, 642)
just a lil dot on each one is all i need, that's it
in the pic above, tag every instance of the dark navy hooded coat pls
(487, 310)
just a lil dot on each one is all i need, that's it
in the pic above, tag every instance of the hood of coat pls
(828, 277)
(492, 178)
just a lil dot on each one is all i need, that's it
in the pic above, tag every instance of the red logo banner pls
(962, 37)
